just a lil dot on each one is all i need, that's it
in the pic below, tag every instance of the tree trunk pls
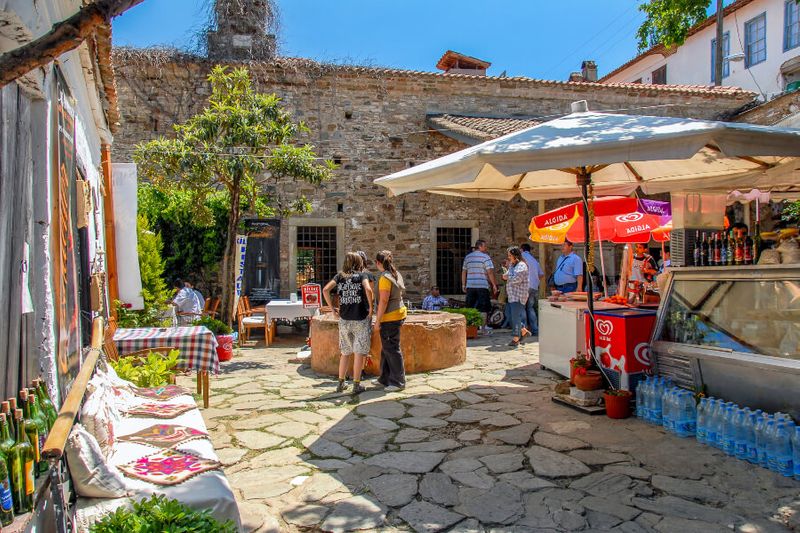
(718, 50)
(229, 260)
(65, 36)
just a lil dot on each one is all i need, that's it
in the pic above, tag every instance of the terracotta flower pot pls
(591, 380)
(472, 332)
(618, 406)
(225, 347)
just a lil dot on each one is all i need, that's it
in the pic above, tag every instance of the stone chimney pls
(241, 32)
(575, 76)
(589, 70)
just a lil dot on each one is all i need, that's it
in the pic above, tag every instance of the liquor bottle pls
(5, 409)
(717, 250)
(31, 428)
(724, 250)
(41, 426)
(6, 440)
(48, 409)
(748, 250)
(738, 254)
(704, 251)
(696, 252)
(22, 460)
(12, 402)
(731, 248)
(6, 499)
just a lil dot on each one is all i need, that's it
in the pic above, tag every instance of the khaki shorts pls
(355, 336)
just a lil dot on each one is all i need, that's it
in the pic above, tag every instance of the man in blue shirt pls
(535, 275)
(477, 278)
(434, 301)
(568, 276)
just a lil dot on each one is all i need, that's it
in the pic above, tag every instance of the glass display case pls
(734, 331)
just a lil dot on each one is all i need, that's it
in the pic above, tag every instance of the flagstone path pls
(478, 447)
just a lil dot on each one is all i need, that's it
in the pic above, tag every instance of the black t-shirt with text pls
(352, 296)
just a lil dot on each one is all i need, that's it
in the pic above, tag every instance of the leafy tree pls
(239, 143)
(668, 22)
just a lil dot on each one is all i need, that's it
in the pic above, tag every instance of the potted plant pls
(473, 317)
(579, 361)
(618, 403)
(222, 332)
(588, 380)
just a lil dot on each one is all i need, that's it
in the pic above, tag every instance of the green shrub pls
(160, 514)
(473, 316)
(217, 327)
(152, 371)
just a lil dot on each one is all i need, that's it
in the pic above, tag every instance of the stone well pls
(429, 341)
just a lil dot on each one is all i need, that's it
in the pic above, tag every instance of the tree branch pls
(65, 36)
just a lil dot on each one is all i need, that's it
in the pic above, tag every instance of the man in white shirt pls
(187, 306)
(535, 276)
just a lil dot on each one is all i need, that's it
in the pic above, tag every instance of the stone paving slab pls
(475, 448)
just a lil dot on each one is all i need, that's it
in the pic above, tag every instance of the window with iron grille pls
(791, 25)
(755, 40)
(660, 76)
(316, 254)
(452, 244)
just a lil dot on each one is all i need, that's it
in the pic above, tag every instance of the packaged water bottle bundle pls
(770, 441)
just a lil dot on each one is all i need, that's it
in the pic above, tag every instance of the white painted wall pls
(691, 63)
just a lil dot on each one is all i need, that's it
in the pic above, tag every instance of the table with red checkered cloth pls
(197, 345)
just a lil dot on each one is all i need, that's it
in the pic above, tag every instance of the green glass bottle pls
(6, 440)
(12, 402)
(46, 404)
(31, 429)
(5, 408)
(6, 499)
(41, 425)
(22, 460)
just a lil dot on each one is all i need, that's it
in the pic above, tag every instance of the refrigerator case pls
(622, 344)
(735, 332)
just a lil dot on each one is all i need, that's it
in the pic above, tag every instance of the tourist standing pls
(477, 277)
(517, 289)
(434, 301)
(390, 316)
(535, 276)
(568, 276)
(355, 317)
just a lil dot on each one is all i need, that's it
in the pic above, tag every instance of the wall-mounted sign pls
(312, 295)
(261, 279)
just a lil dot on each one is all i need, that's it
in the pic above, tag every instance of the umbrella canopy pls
(617, 219)
(621, 152)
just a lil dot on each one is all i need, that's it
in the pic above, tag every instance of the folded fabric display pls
(99, 414)
(92, 475)
(164, 435)
(168, 467)
(163, 393)
(159, 410)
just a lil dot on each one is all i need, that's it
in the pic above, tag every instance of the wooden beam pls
(755, 161)
(63, 37)
(112, 272)
(633, 171)
(57, 439)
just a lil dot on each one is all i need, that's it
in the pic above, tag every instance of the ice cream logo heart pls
(605, 327)
(642, 353)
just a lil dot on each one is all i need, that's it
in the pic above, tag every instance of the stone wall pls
(775, 112)
(373, 122)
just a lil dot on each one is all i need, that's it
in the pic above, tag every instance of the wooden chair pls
(249, 319)
(211, 307)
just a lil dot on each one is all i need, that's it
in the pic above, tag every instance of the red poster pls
(312, 295)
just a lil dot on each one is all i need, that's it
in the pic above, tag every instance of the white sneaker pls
(393, 388)
(376, 383)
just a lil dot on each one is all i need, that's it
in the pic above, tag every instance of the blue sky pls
(536, 38)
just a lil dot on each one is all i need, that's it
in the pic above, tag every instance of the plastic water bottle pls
(667, 410)
(657, 412)
(783, 450)
(750, 427)
(796, 452)
(711, 422)
(762, 443)
(769, 440)
(640, 398)
(741, 434)
(689, 415)
(729, 431)
(702, 420)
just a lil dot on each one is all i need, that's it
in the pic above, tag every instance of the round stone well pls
(430, 340)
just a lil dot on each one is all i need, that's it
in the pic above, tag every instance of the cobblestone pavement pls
(478, 447)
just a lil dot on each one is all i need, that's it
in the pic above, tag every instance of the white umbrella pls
(619, 152)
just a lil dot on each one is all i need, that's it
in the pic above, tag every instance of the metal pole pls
(584, 179)
(718, 50)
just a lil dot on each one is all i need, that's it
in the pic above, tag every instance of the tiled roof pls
(661, 49)
(478, 129)
(308, 65)
(450, 58)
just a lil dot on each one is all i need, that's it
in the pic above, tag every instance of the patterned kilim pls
(160, 410)
(160, 394)
(197, 345)
(168, 467)
(165, 435)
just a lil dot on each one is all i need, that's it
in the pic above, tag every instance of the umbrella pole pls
(583, 180)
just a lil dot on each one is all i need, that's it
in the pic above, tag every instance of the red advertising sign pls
(312, 295)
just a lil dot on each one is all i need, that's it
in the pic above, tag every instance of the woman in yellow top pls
(388, 321)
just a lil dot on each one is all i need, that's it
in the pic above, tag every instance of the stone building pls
(375, 121)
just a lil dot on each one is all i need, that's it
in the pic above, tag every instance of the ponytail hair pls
(384, 257)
